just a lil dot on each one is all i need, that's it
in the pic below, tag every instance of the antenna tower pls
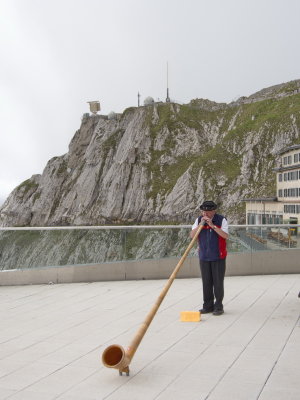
(168, 98)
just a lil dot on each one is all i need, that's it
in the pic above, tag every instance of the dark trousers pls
(213, 273)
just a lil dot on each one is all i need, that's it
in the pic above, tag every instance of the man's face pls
(209, 214)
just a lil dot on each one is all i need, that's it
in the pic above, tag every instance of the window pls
(289, 159)
(296, 157)
(280, 177)
(285, 176)
(292, 208)
(251, 218)
(280, 193)
(294, 175)
(291, 192)
(285, 160)
(278, 219)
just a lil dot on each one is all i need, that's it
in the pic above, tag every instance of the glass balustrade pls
(59, 246)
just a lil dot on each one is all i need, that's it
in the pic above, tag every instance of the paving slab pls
(52, 338)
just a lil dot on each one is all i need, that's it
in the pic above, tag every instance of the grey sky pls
(57, 55)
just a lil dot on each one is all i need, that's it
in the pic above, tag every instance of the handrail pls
(123, 227)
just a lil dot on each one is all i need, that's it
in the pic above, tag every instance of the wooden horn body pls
(115, 356)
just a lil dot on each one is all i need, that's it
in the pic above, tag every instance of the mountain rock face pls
(158, 163)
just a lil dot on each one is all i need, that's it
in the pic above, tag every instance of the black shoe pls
(218, 312)
(206, 310)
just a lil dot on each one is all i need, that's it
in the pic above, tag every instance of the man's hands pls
(207, 220)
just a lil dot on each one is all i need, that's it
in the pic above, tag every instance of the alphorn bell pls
(115, 356)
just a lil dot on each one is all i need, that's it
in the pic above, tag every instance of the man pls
(212, 255)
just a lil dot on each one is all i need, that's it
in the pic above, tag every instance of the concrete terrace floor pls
(52, 338)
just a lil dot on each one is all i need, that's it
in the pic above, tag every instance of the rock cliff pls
(157, 163)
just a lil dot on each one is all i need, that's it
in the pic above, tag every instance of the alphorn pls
(115, 356)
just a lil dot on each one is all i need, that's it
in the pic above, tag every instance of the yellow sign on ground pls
(190, 316)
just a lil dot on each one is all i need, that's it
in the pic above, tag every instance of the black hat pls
(208, 206)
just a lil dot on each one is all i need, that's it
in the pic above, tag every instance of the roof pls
(53, 336)
(290, 148)
(286, 168)
(263, 199)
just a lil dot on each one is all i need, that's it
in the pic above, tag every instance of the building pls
(263, 211)
(285, 207)
(94, 106)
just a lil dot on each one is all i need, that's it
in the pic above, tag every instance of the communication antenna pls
(168, 98)
(139, 98)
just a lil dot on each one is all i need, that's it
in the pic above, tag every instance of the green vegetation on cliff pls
(254, 127)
